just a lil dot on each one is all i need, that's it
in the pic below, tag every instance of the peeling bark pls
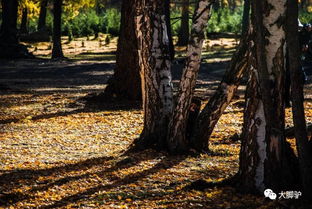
(251, 161)
(177, 141)
(216, 105)
(155, 70)
(266, 160)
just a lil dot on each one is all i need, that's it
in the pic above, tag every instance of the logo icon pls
(270, 194)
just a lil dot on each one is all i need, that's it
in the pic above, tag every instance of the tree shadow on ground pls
(40, 76)
(12, 180)
(88, 106)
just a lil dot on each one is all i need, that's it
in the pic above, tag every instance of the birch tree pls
(217, 104)
(164, 125)
(126, 82)
(177, 141)
(155, 64)
(266, 160)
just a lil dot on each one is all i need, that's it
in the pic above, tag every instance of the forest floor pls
(57, 151)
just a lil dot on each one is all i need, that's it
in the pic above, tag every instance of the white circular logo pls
(270, 194)
(267, 192)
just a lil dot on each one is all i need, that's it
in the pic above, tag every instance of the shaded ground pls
(56, 152)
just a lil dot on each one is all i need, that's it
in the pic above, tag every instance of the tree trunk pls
(57, 51)
(245, 19)
(125, 82)
(8, 33)
(290, 131)
(23, 28)
(304, 152)
(154, 61)
(184, 32)
(9, 46)
(177, 141)
(216, 105)
(42, 15)
(169, 30)
(266, 160)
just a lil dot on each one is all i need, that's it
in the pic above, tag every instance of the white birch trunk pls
(265, 156)
(177, 141)
(155, 70)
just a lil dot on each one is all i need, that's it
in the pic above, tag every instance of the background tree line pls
(88, 17)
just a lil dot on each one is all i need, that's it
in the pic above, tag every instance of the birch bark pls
(155, 71)
(177, 141)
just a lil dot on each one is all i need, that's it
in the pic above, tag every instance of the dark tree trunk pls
(266, 160)
(304, 152)
(57, 51)
(9, 45)
(216, 105)
(290, 131)
(184, 32)
(155, 72)
(177, 141)
(8, 33)
(245, 19)
(126, 82)
(42, 15)
(169, 30)
(23, 28)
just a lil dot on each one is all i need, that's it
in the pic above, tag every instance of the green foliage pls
(84, 24)
(112, 21)
(225, 20)
(175, 22)
(222, 20)
(88, 23)
(33, 23)
(305, 17)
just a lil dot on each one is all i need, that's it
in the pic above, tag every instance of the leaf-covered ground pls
(58, 152)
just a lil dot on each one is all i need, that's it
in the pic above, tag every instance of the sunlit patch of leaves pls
(44, 161)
